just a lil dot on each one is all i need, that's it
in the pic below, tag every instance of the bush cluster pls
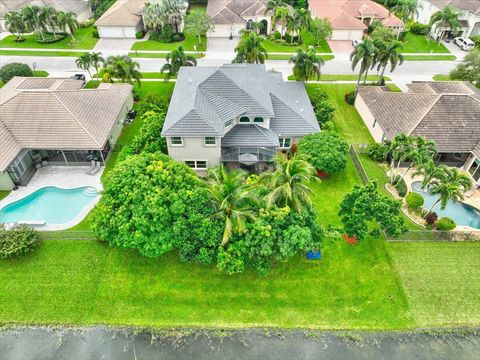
(377, 152)
(446, 224)
(420, 29)
(414, 200)
(400, 186)
(350, 97)
(139, 35)
(431, 218)
(8, 71)
(18, 240)
(166, 35)
(322, 107)
(50, 38)
(476, 40)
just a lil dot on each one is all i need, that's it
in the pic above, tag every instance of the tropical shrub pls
(469, 68)
(139, 35)
(377, 152)
(446, 224)
(431, 218)
(322, 107)
(401, 187)
(414, 200)
(325, 150)
(149, 139)
(154, 204)
(8, 71)
(350, 97)
(476, 40)
(18, 240)
(364, 205)
(49, 38)
(420, 29)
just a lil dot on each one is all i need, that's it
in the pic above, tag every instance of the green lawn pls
(308, 40)
(288, 56)
(188, 44)
(430, 57)
(441, 77)
(422, 44)
(343, 77)
(156, 55)
(148, 75)
(441, 281)
(40, 53)
(83, 36)
(3, 194)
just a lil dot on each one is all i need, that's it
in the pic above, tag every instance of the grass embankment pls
(190, 43)
(422, 44)
(308, 40)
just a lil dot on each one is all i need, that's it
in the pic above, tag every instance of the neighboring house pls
(235, 114)
(350, 18)
(80, 8)
(231, 16)
(469, 17)
(55, 120)
(122, 20)
(445, 112)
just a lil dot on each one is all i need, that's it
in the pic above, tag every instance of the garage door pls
(111, 32)
(225, 31)
(347, 34)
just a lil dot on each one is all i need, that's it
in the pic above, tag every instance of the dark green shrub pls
(7, 72)
(178, 37)
(414, 200)
(276, 35)
(402, 35)
(401, 187)
(18, 240)
(446, 224)
(139, 34)
(431, 218)
(350, 97)
(476, 40)
(377, 152)
(50, 38)
(420, 29)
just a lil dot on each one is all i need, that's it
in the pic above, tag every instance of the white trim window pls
(176, 141)
(196, 164)
(285, 143)
(244, 120)
(258, 120)
(210, 141)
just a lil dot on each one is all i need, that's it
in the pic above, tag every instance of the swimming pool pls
(51, 205)
(461, 213)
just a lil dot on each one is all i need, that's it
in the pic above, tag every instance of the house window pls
(228, 123)
(285, 142)
(258, 120)
(196, 164)
(250, 24)
(374, 123)
(176, 141)
(244, 119)
(210, 141)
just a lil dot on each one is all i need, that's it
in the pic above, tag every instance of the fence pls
(435, 235)
(358, 165)
(67, 235)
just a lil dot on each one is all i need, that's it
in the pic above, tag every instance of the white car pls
(464, 43)
(355, 43)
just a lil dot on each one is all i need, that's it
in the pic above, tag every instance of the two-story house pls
(235, 114)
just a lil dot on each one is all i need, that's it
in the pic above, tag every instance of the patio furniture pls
(92, 167)
(96, 169)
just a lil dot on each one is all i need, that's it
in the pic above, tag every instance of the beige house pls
(55, 121)
(122, 20)
(236, 114)
(445, 112)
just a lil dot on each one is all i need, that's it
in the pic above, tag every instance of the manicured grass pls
(156, 55)
(92, 84)
(288, 56)
(422, 44)
(40, 53)
(3, 194)
(41, 73)
(347, 121)
(148, 75)
(83, 36)
(440, 280)
(343, 77)
(188, 44)
(393, 87)
(308, 40)
(441, 77)
(430, 57)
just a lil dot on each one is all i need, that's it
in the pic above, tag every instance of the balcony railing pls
(248, 155)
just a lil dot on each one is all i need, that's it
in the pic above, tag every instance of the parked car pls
(355, 43)
(464, 43)
(79, 77)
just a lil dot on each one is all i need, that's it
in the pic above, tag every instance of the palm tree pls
(398, 149)
(273, 4)
(419, 154)
(447, 17)
(408, 9)
(364, 54)
(306, 64)
(50, 15)
(15, 24)
(232, 198)
(96, 59)
(257, 26)
(121, 67)
(84, 62)
(174, 11)
(250, 50)
(33, 20)
(289, 183)
(175, 59)
(281, 15)
(153, 16)
(449, 184)
(292, 28)
(387, 54)
(427, 170)
(67, 20)
(302, 18)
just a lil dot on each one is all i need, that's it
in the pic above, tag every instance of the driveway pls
(341, 46)
(114, 46)
(221, 48)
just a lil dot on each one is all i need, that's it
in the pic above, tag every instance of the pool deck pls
(64, 177)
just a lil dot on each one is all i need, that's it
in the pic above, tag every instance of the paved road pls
(110, 344)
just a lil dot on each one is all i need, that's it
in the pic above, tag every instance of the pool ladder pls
(90, 191)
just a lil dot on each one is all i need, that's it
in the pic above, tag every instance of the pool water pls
(50, 204)
(462, 214)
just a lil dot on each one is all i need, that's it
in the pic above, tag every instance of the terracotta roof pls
(347, 14)
(123, 13)
(38, 113)
(234, 11)
(446, 112)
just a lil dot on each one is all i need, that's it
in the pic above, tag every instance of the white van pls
(464, 43)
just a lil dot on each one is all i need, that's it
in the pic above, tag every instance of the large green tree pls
(447, 18)
(408, 9)
(387, 53)
(307, 65)
(198, 23)
(468, 69)
(250, 49)
(176, 59)
(120, 68)
(364, 54)
(15, 23)
(321, 29)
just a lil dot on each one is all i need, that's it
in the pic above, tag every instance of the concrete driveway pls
(221, 48)
(114, 46)
(341, 46)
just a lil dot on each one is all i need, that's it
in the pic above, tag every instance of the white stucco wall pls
(194, 148)
(369, 119)
(118, 32)
(226, 30)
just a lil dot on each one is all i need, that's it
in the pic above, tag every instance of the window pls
(258, 120)
(250, 24)
(210, 141)
(228, 123)
(196, 164)
(244, 119)
(285, 143)
(176, 141)
(374, 123)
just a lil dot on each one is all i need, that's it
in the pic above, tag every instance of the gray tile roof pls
(205, 98)
(446, 112)
(250, 135)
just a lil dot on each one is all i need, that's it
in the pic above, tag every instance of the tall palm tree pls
(33, 19)
(427, 170)
(250, 50)
(232, 198)
(281, 15)
(96, 59)
(292, 28)
(449, 184)
(306, 64)
(271, 5)
(15, 24)
(84, 62)
(398, 149)
(408, 9)
(174, 10)
(49, 13)
(175, 59)
(422, 152)
(289, 183)
(121, 67)
(364, 54)
(447, 17)
(71, 23)
(387, 53)
(302, 18)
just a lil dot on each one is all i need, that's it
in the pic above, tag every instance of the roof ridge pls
(254, 3)
(425, 114)
(76, 120)
(271, 94)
